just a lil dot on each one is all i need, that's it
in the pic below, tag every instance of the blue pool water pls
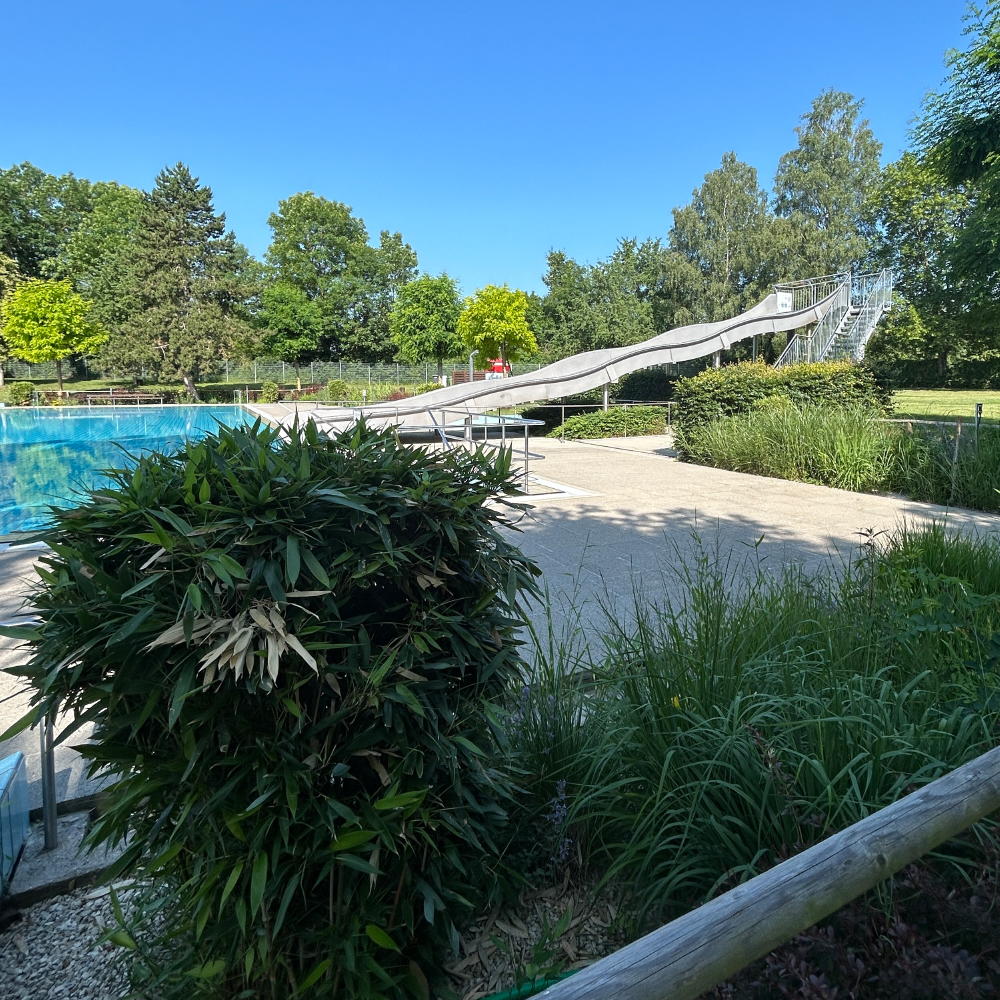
(49, 454)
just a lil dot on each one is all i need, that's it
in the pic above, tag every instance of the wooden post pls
(690, 955)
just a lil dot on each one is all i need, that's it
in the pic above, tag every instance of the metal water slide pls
(817, 302)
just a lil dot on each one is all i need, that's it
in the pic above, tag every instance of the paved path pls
(16, 578)
(623, 530)
(644, 509)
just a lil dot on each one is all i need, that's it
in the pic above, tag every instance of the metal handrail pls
(814, 346)
(877, 301)
(807, 292)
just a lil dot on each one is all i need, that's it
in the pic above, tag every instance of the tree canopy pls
(725, 233)
(495, 323)
(293, 325)
(48, 321)
(184, 285)
(38, 213)
(822, 186)
(424, 320)
(321, 247)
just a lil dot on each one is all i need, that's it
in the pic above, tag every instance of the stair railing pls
(877, 300)
(813, 346)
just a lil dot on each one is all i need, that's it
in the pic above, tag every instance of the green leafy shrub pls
(269, 392)
(416, 390)
(616, 422)
(648, 383)
(20, 393)
(288, 650)
(336, 390)
(724, 392)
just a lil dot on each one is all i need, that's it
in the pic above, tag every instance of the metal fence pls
(263, 369)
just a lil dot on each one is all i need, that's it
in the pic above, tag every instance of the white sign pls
(784, 302)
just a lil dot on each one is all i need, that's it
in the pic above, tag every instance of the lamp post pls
(472, 371)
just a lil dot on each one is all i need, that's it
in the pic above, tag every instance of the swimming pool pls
(48, 454)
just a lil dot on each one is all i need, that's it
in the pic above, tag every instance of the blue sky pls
(486, 133)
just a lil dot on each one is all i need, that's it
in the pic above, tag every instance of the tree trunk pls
(191, 388)
(298, 377)
(59, 374)
(440, 369)
(1, 373)
(942, 361)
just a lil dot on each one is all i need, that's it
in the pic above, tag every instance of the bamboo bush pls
(289, 648)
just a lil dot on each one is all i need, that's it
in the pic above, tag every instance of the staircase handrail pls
(814, 346)
(877, 301)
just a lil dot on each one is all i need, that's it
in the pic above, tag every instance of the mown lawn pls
(946, 404)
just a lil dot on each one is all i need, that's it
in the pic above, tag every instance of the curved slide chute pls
(588, 370)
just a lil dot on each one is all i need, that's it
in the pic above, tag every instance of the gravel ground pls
(51, 952)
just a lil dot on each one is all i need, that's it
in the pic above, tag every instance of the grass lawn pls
(946, 404)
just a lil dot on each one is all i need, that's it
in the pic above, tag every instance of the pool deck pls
(619, 531)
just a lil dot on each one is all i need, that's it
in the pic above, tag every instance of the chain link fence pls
(264, 369)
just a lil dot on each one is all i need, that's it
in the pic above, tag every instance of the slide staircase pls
(856, 306)
(842, 312)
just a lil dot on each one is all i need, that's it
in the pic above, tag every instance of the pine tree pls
(182, 284)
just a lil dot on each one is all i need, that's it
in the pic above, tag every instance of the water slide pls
(790, 307)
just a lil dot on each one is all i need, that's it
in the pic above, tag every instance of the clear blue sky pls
(487, 133)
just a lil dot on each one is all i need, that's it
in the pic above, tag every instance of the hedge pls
(633, 421)
(725, 392)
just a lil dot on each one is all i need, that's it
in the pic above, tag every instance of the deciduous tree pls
(322, 247)
(494, 322)
(918, 220)
(98, 255)
(424, 320)
(47, 321)
(725, 233)
(293, 325)
(958, 136)
(38, 213)
(822, 186)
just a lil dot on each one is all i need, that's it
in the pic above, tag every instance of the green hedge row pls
(724, 392)
(620, 422)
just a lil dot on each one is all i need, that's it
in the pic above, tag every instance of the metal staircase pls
(858, 304)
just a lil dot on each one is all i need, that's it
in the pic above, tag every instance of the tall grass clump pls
(850, 449)
(746, 720)
(288, 647)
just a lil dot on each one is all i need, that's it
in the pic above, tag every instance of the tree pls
(568, 322)
(821, 187)
(725, 233)
(184, 284)
(958, 136)
(98, 255)
(38, 213)
(917, 221)
(494, 322)
(48, 321)
(10, 277)
(294, 325)
(321, 247)
(424, 320)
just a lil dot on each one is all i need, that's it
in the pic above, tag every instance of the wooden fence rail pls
(690, 955)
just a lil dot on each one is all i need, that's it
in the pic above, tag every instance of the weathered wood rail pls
(690, 955)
